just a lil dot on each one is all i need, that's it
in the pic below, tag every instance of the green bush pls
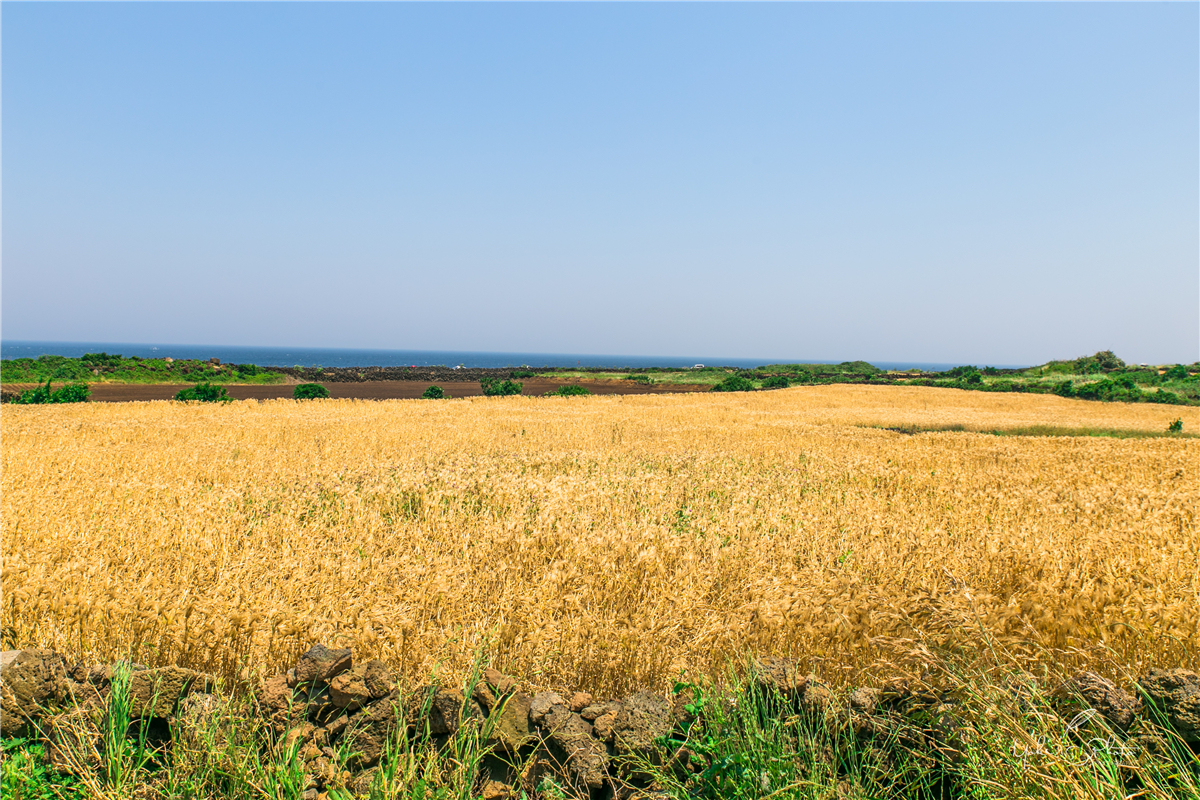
(1176, 373)
(734, 383)
(968, 375)
(71, 393)
(1175, 427)
(1167, 398)
(100, 360)
(644, 380)
(523, 373)
(433, 393)
(494, 387)
(568, 391)
(205, 393)
(310, 391)
(246, 369)
(1104, 361)
(776, 382)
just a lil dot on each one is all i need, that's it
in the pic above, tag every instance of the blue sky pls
(940, 182)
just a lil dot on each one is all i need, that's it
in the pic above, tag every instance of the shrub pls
(1127, 382)
(310, 391)
(644, 380)
(494, 387)
(734, 383)
(433, 393)
(100, 360)
(1176, 373)
(205, 393)
(71, 393)
(246, 369)
(568, 391)
(523, 373)
(1104, 361)
(1168, 398)
(776, 382)
(1175, 427)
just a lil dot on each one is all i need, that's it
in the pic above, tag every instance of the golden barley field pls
(602, 542)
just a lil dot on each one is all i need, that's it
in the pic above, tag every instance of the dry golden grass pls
(601, 542)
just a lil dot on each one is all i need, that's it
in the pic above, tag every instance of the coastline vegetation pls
(1102, 376)
(106, 368)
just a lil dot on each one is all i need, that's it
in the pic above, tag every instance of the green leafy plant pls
(643, 379)
(734, 383)
(25, 776)
(523, 373)
(100, 360)
(1176, 373)
(568, 391)
(205, 393)
(71, 393)
(310, 391)
(123, 755)
(433, 393)
(1175, 427)
(776, 382)
(494, 387)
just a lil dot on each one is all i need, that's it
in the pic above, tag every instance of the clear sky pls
(942, 182)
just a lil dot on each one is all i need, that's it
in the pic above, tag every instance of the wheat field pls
(602, 542)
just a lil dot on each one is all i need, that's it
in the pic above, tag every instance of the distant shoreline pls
(311, 357)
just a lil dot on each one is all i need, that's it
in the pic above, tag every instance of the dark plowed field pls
(373, 390)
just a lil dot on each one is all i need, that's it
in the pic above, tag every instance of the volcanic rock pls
(1087, 690)
(321, 665)
(1174, 694)
(542, 703)
(645, 717)
(155, 692)
(512, 729)
(585, 757)
(29, 679)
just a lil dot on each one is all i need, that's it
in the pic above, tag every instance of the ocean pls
(338, 357)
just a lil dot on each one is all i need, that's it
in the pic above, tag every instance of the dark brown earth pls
(371, 390)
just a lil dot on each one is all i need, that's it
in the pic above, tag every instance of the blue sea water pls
(334, 357)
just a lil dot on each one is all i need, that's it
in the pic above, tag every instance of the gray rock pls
(603, 726)
(367, 731)
(780, 676)
(275, 699)
(29, 680)
(1088, 691)
(321, 664)
(593, 712)
(354, 689)
(512, 728)
(1174, 694)
(441, 709)
(542, 703)
(154, 693)
(349, 691)
(644, 718)
(586, 758)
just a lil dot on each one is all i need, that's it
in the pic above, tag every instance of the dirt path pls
(370, 390)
